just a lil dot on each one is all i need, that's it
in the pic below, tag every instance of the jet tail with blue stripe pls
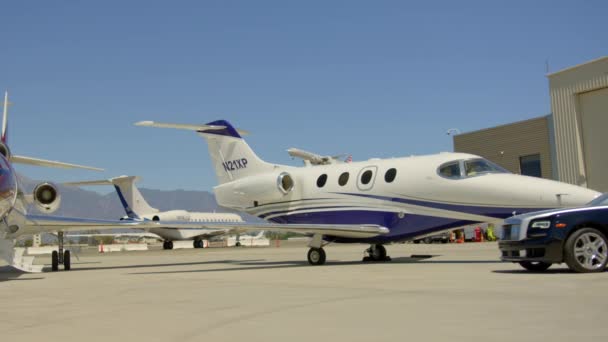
(131, 199)
(231, 156)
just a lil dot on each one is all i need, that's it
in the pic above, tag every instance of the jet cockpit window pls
(475, 167)
(450, 170)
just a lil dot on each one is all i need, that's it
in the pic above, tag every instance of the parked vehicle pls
(576, 236)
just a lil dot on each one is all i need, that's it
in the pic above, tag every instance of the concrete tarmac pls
(462, 293)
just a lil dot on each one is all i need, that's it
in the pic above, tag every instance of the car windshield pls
(479, 166)
(600, 200)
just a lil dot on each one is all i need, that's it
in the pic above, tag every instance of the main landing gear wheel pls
(535, 266)
(316, 256)
(55, 261)
(168, 245)
(198, 243)
(377, 253)
(586, 250)
(67, 262)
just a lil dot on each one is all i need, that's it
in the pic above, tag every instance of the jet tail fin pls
(131, 199)
(231, 156)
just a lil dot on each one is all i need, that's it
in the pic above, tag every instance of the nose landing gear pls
(376, 253)
(168, 245)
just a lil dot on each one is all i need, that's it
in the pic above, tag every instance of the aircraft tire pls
(170, 245)
(316, 256)
(67, 262)
(55, 261)
(378, 253)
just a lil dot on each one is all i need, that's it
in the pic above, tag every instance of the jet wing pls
(338, 230)
(42, 223)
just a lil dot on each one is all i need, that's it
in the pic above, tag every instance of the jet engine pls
(172, 215)
(46, 197)
(255, 190)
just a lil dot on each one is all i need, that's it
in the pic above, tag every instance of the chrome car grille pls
(510, 232)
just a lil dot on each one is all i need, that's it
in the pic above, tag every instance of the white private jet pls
(411, 196)
(137, 208)
(16, 222)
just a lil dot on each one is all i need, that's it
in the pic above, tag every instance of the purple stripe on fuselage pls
(405, 228)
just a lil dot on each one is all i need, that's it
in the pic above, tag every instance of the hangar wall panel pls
(566, 88)
(594, 127)
(505, 144)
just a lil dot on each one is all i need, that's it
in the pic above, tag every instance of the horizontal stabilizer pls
(50, 163)
(197, 128)
(87, 183)
(111, 181)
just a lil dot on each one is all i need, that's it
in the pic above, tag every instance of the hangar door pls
(594, 123)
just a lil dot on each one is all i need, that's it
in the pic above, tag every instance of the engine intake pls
(46, 197)
(5, 151)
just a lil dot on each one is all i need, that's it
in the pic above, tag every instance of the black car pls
(576, 236)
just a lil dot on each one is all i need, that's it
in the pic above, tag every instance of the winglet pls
(4, 135)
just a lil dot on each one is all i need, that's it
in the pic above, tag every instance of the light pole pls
(452, 131)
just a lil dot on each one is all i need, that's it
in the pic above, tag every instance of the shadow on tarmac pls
(547, 272)
(8, 273)
(77, 269)
(262, 264)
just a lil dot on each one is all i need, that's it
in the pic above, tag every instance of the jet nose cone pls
(564, 194)
(576, 196)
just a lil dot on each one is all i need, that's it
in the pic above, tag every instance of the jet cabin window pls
(343, 179)
(390, 175)
(321, 180)
(366, 177)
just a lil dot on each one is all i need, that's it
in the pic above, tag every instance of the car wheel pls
(535, 266)
(586, 250)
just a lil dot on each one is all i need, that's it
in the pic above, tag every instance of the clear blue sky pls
(371, 78)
